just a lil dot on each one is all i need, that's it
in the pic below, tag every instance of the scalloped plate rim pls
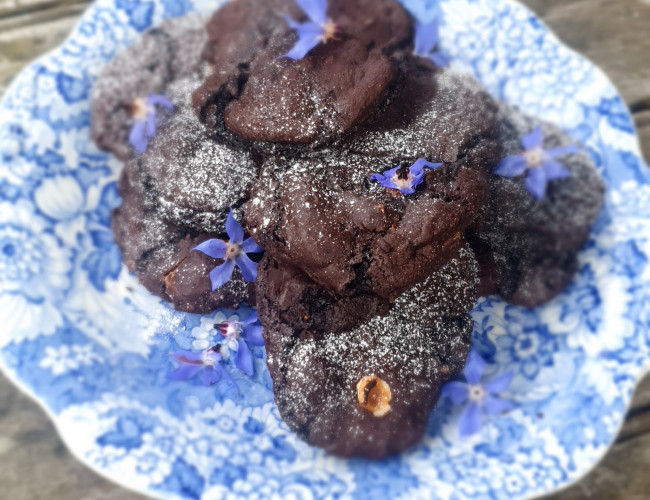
(640, 372)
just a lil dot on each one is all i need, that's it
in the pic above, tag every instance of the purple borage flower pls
(144, 114)
(406, 179)
(237, 334)
(427, 38)
(320, 29)
(540, 164)
(192, 363)
(481, 397)
(233, 252)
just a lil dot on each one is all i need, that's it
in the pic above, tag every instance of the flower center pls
(139, 109)
(233, 251)
(330, 30)
(403, 179)
(534, 157)
(476, 393)
(230, 330)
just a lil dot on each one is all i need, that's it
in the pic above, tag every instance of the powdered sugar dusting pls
(194, 180)
(161, 55)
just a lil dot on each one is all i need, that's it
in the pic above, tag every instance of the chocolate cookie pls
(192, 180)
(303, 305)
(451, 115)
(527, 248)
(365, 390)
(161, 254)
(160, 56)
(322, 214)
(260, 96)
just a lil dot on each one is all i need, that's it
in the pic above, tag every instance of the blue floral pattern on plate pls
(83, 337)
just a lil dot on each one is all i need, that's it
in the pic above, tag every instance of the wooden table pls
(34, 463)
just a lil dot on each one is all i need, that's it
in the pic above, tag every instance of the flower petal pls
(420, 164)
(440, 59)
(213, 248)
(470, 421)
(185, 372)
(211, 376)
(511, 166)
(555, 170)
(499, 383)
(251, 319)
(474, 368)
(389, 174)
(309, 36)
(160, 100)
(536, 183)
(426, 37)
(249, 246)
(247, 267)
(244, 359)
(316, 10)
(573, 149)
(534, 139)
(457, 392)
(223, 373)
(417, 180)
(151, 124)
(494, 406)
(220, 275)
(138, 137)
(234, 229)
(232, 344)
(292, 24)
(253, 334)
(384, 180)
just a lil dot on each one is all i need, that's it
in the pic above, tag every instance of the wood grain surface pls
(615, 34)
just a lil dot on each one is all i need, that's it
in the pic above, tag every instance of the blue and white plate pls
(79, 334)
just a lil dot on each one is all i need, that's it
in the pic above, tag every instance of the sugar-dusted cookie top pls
(160, 56)
(354, 379)
(327, 214)
(259, 95)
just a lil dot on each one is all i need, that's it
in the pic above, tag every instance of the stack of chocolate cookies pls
(363, 290)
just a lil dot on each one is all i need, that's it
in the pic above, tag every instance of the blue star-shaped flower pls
(320, 29)
(427, 38)
(144, 115)
(237, 334)
(481, 397)
(405, 179)
(233, 252)
(192, 363)
(540, 164)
